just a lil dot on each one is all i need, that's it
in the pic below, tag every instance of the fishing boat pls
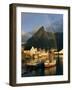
(50, 64)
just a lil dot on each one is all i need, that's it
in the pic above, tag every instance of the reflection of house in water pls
(39, 55)
(51, 55)
(60, 52)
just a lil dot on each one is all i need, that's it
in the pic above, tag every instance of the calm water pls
(41, 71)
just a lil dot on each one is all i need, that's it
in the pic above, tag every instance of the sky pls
(32, 21)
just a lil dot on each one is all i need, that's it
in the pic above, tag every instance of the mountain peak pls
(40, 32)
(45, 40)
(41, 28)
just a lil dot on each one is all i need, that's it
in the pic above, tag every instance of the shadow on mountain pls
(45, 40)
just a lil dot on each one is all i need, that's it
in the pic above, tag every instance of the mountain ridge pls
(44, 40)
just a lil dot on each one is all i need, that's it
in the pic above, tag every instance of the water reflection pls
(40, 70)
(50, 71)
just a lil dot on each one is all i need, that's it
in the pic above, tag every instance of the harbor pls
(38, 62)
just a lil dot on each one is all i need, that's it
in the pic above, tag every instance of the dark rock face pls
(45, 40)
